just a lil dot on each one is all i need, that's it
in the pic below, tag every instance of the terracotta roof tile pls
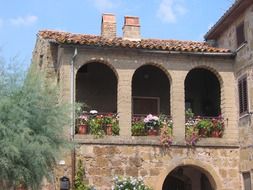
(153, 44)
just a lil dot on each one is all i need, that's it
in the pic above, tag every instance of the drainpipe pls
(72, 101)
(72, 91)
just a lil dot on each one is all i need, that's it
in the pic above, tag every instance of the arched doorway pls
(150, 91)
(202, 93)
(96, 86)
(187, 178)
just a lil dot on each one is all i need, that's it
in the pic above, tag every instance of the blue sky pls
(167, 19)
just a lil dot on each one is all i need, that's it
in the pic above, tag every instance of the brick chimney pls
(131, 28)
(108, 26)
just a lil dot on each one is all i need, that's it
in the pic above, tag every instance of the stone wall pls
(243, 65)
(152, 162)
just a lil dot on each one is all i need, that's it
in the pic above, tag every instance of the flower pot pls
(83, 129)
(109, 129)
(152, 132)
(216, 134)
(203, 132)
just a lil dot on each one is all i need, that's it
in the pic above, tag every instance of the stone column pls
(228, 106)
(178, 106)
(124, 104)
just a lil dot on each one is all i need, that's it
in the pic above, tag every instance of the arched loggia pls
(150, 91)
(96, 86)
(202, 92)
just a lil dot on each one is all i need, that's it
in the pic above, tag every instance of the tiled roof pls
(151, 44)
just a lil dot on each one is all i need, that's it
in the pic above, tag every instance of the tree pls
(31, 127)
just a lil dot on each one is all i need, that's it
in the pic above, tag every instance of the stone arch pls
(158, 65)
(211, 69)
(211, 106)
(102, 62)
(207, 169)
(96, 85)
(159, 73)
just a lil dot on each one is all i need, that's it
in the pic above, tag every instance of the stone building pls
(133, 76)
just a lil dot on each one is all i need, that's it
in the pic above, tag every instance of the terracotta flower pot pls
(202, 132)
(83, 129)
(152, 132)
(216, 134)
(109, 129)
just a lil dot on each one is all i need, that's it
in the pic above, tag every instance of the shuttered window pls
(240, 34)
(246, 181)
(243, 95)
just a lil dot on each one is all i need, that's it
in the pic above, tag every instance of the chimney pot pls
(132, 21)
(108, 26)
(131, 28)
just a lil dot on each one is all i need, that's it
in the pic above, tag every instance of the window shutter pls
(240, 97)
(243, 95)
(240, 34)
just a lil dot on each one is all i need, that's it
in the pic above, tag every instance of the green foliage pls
(115, 128)
(138, 128)
(189, 114)
(79, 183)
(31, 125)
(96, 127)
(129, 183)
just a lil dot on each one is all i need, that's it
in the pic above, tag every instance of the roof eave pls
(219, 54)
(233, 12)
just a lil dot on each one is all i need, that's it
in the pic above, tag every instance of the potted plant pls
(83, 124)
(138, 128)
(152, 125)
(204, 126)
(191, 130)
(110, 123)
(166, 133)
(217, 127)
(115, 128)
(96, 126)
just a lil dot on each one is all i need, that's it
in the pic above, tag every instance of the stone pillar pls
(178, 106)
(228, 106)
(124, 103)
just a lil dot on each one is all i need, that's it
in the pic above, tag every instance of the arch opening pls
(150, 91)
(96, 87)
(187, 178)
(202, 93)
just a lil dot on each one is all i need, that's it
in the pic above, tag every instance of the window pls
(246, 181)
(146, 105)
(240, 34)
(41, 61)
(243, 95)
